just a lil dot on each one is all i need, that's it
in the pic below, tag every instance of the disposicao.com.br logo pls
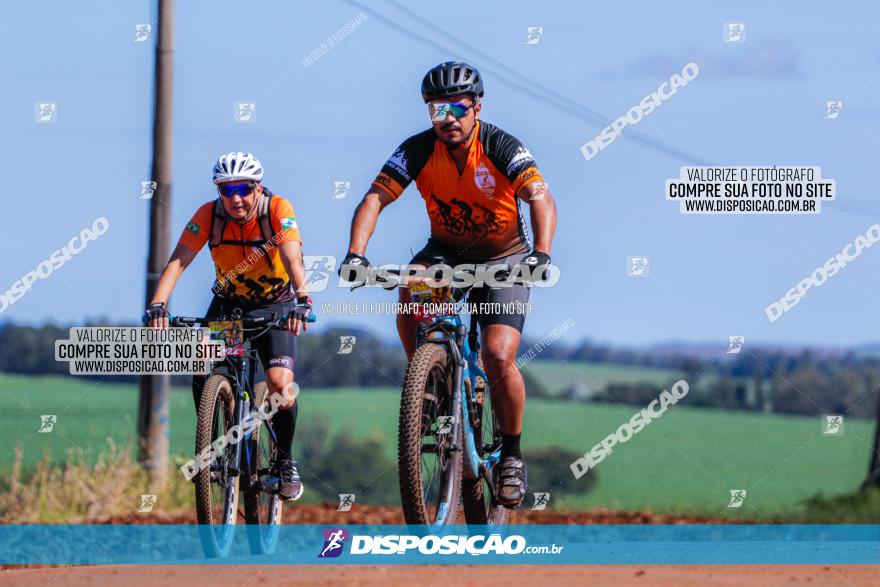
(334, 540)
(393, 544)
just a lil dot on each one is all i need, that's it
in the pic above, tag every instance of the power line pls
(510, 77)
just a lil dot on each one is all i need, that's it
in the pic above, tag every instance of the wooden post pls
(153, 416)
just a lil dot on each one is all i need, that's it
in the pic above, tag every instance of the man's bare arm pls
(180, 260)
(291, 258)
(365, 218)
(542, 212)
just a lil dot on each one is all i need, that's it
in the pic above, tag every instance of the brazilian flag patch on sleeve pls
(193, 228)
(288, 223)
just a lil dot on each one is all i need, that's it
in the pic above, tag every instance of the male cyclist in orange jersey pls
(257, 251)
(463, 161)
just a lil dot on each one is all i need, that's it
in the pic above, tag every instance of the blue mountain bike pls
(448, 436)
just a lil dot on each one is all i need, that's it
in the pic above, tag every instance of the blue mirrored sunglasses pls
(228, 190)
(439, 110)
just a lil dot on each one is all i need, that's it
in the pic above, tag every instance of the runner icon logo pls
(541, 501)
(142, 32)
(47, 423)
(333, 542)
(637, 266)
(737, 496)
(534, 36)
(735, 344)
(346, 500)
(147, 189)
(832, 109)
(832, 425)
(340, 189)
(444, 424)
(318, 269)
(346, 345)
(147, 503)
(734, 32)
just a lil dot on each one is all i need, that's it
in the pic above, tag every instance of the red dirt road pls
(439, 575)
(371, 514)
(445, 576)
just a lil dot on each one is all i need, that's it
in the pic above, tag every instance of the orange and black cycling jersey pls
(243, 272)
(474, 213)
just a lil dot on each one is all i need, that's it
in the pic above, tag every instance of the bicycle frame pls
(463, 348)
(241, 373)
(242, 378)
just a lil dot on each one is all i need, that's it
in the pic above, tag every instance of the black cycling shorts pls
(276, 348)
(513, 300)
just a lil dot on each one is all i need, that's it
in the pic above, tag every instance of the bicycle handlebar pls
(273, 320)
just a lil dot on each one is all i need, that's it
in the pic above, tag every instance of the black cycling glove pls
(155, 312)
(534, 267)
(354, 268)
(303, 309)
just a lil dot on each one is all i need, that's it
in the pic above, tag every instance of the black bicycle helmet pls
(451, 78)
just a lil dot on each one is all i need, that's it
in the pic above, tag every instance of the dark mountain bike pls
(233, 399)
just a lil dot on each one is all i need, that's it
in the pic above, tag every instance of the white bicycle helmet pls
(237, 166)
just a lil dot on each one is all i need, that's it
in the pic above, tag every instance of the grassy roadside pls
(79, 488)
(684, 463)
(77, 491)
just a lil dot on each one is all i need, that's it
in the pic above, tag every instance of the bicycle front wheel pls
(216, 488)
(429, 465)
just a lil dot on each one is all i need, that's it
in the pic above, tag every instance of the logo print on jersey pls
(462, 222)
(521, 157)
(397, 162)
(288, 223)
(485, 180)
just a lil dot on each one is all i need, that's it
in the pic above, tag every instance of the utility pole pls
(153, 416)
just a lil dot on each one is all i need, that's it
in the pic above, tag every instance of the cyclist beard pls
(451, 146)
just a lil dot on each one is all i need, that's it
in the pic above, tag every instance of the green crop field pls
(686, 461)
(556, 376)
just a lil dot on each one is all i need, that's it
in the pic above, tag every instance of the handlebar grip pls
(312, 318)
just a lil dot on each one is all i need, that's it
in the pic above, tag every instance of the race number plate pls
(231, 333)
(431, 302)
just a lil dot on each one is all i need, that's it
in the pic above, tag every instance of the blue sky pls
(756, 103)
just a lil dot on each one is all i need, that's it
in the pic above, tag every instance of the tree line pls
(763, 380)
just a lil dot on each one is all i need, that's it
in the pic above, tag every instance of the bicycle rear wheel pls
(476, 497)
(429, 466)
(262, 506)
(216, 489)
